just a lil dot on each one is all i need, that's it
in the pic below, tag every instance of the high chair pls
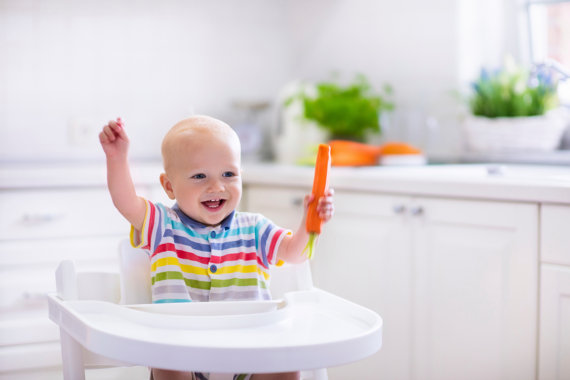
(107, 319)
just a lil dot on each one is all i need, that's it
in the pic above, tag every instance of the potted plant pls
(511, 110)
(346, 112)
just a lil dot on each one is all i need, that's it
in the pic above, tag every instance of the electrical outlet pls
(82, 131)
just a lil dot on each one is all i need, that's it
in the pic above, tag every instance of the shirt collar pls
(226, 223)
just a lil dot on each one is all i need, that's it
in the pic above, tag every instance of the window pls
(549, 36)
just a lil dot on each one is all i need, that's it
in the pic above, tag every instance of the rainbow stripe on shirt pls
(194, 262)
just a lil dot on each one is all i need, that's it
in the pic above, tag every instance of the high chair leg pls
(72, 357)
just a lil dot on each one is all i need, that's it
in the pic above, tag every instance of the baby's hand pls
(325, 205)
(114, 139)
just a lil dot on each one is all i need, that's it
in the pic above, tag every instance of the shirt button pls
(213, 268)
(213, 234)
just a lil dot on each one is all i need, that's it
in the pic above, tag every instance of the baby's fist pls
(113, 138)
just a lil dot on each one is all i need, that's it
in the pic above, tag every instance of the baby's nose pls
(216, 185)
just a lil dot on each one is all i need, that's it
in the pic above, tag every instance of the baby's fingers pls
(103, 138)
(119, 128)
(121, 132)
(326, 213)
(112, 131)
(327, 199)
(325, 207)
(108, 133)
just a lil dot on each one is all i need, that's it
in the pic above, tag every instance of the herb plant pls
(513, 91)
(346, 112)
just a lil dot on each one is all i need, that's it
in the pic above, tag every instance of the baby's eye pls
(228, 174)
(199, 176)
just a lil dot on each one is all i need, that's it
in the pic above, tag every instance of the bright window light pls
(549, 28)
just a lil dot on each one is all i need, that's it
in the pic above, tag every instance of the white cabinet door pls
(554, 338)
(554, 344)
(364, 256)
(475, 290)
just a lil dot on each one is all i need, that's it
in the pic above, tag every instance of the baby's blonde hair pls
(195, 127)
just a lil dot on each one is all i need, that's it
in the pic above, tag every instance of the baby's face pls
(206, 177)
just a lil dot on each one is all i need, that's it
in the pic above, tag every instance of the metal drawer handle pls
(297, 202)
(417, 210)
(399, 209)
(33, 296)
(24, 297)
(38, 218)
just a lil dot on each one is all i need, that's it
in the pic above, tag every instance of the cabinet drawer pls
(28, 267)
(29, 356)
(57, 213)
(554, 236)
(284, 206)
(261, 198)
(19, 328)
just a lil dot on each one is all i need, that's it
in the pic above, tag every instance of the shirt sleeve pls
(269, 237)
(149, 237)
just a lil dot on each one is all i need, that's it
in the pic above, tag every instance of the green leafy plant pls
(345, 112)
(513, 91)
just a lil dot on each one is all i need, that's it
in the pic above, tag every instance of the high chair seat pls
(304, 329)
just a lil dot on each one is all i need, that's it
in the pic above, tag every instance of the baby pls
(201, 248)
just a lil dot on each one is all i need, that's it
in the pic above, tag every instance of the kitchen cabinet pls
(41, 225)
(454, 280)
(39, 228)
(554, 337)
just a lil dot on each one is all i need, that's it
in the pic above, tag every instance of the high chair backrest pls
(134, 268)
(80, 285)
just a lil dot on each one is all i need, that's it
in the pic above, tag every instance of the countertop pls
(526, 183)
(522, 183)
(72, 175)
(557, 157)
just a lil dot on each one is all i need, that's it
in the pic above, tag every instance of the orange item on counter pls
(351, 153)
(398, 148)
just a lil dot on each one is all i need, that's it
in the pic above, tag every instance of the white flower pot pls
(515, 134)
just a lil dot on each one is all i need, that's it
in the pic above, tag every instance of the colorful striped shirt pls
(194, 262)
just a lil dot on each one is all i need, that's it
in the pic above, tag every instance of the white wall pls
(68, 66)
(408, 44)
(152, 63)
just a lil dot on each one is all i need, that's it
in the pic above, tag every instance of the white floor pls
(131, 373)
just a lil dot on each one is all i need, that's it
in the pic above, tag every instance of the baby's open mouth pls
(214, 204)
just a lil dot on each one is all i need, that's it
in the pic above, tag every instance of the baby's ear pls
(166, 185)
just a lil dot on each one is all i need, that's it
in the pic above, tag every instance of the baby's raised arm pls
(115, 143)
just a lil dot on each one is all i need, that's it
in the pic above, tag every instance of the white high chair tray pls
(306, 330)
